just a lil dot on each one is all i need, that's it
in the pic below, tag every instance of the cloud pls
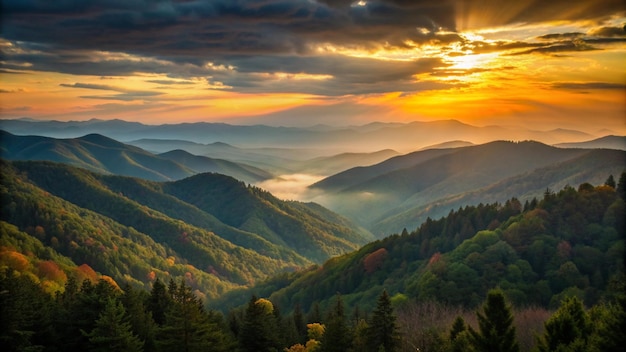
(609, 31)
(589, 85)
(125, 94)
(272, 45)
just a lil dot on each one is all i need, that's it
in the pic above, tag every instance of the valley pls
(444, 223)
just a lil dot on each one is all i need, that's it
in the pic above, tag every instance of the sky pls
(532, 63)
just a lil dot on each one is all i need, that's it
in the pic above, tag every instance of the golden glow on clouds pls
(486, 80)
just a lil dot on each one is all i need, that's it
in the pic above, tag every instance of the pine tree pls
(610, 181)
(337, 335)
(610, 334)
(459, 336)
(187, 326)
(159, 302)
(140, 317)
(259, 330)
(496, 331)
(621, 186)
(112, 332)
(567, 329)
(383, 330)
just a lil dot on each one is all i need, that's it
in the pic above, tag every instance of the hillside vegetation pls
(101, 154)
(136, 230)
(403, 191)
(568, 243)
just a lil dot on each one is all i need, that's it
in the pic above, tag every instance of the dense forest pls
(211, 229)
(569, 243)
(538, 273)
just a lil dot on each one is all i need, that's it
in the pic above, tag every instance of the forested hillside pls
(135, 230)
(406, 292)
(101, 154)
(403, 191)
(568, 243)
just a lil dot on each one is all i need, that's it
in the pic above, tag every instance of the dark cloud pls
(589, 85)
(491, 13)
(125, 94)
(609, 32)
(561, 36)
(244, 40)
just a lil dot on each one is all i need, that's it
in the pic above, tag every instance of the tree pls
(610, 181)
(459, 336)
(610, 331)
(567, 329)
(496, 331)
(621, 186)
(139, 317)
(259, 330)
(337, 335)
(383, 330)
(187, 325)
(159, 302)
(112, 332)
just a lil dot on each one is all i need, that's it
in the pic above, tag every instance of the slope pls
(255, 210)
(607, 142)
(567, 243)
(201, 164)
(427, 178)
(592, 167)
(93, 152)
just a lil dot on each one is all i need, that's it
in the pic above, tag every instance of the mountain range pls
(98, 153)
(405, 190)
(324, 140)
(214, 228)
(160, 206)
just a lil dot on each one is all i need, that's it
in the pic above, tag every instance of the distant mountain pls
(336, 163)
(330, 139)
(607, 142)
(102, 154)
(223, 233)
(201, 164)
(93, 152)
(428, 183)
(450, 144)
(592, 167)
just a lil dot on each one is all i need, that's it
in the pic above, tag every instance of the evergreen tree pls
(567, 329)
(337, 335)
(24, 315)
(610, 181)
(621, 186)
(299, 323)
(159, 302)
(459, 336)
(112, 332)
(140, 317)
(187, 326)
(610, 334)
(383, 330)
(496, 331)
(259, 330)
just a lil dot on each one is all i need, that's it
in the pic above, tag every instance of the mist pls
(291, 186)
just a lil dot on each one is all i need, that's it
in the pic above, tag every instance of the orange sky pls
(478, 61)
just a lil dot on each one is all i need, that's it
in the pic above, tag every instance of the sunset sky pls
(534, 63)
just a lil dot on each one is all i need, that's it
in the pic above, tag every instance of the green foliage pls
(566, 244)
(496, 331)
(337, 334)
(383, 331)
(112, 331)
(260, 329)
(567, 329)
